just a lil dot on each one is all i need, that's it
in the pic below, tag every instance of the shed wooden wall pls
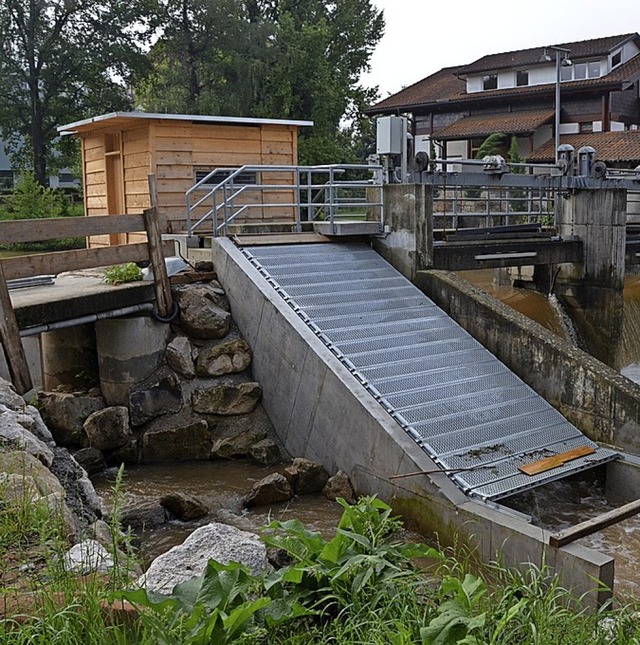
(175, 151)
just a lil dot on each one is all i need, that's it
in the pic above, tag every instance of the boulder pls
(24, 464)
(265, 452)
(157, 395)
(65, 415)
(108, 429)
(14, 437)
(228, 356)
(227, 398)
(177, 442)
(91, 459)
(143, 516)
(214, 541)
(238, 445)
(127, 454)
(9, 397)
(339, 486)
(89, 556)
(306, 476)
(180, 356)
(31, 420)
(184, 507)
(272, 489)
(204, 311)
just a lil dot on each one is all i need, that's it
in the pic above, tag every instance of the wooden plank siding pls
(174, 150)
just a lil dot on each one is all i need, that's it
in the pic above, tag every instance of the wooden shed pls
(120, 150)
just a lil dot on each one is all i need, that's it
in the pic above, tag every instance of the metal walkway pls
(473, 416)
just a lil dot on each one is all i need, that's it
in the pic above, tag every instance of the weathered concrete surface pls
(407, 213)
(601, 402)
(328, 417)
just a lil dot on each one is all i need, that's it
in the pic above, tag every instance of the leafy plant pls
(121, 273)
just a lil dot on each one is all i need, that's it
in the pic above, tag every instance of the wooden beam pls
(53, 263)
(164, 299)
(37, 230)
(555, 461)
(595, 524)
(11, 343)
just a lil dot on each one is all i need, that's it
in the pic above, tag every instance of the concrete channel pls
(321, 411)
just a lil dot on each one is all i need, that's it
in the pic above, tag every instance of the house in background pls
(456, 108)
(120, 150)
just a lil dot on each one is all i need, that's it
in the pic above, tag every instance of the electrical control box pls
(390, 135)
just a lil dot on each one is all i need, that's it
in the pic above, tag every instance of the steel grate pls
(454, 398)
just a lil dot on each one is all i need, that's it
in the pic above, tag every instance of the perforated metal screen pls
(452, 396)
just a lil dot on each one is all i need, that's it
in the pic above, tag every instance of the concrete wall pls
(602, 403)
(407, 214)
(321, 412)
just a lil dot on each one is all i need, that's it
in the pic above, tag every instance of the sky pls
(423, 36)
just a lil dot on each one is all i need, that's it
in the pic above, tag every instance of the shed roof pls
(621, 146)
(133, 118)
(482, 125)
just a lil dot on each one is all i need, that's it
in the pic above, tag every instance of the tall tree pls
(62, 60)
(299, 59)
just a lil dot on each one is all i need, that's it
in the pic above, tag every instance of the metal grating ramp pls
(471, 414)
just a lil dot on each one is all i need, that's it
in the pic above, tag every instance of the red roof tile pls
(609, 146)
(483, 125)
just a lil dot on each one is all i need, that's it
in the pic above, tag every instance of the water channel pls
(223, 484)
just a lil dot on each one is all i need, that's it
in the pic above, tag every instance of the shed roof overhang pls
(128, 119)
(613, 147)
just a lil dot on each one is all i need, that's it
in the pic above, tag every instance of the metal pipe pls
(83, 320)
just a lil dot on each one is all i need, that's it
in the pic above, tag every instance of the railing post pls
(164, 300)
(331, 202)
(11, 343)
(298, 200)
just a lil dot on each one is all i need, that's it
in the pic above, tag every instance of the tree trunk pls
(38, 148)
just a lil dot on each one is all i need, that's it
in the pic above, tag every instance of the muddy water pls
(221, 485)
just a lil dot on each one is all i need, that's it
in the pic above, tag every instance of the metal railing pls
(288, 193)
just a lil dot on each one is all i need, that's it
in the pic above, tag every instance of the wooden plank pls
(226, 146)
(53, 263)
(164, 300)
(36, 230)
(10, 338)
(136, 160)
(595, 524)
(216, 159)
(219, 131)
(556, 460)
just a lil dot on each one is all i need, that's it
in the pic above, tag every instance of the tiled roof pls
(523, 57)
(446, 86)
(609, 146)
(483, 125)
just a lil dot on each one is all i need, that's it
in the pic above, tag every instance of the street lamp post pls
(562, 59)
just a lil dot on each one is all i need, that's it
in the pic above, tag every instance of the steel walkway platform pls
(475, 418)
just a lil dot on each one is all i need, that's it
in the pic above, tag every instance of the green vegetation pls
(31, 200)
(361, 586)
(121, 273)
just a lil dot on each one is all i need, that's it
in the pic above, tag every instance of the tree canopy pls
(62, 60)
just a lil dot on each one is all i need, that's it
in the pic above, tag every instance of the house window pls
(522, 77)
(579, 71)
(616, 59)
(586, 127)
(593, 69)
(6, 179)
(490, 82)
(244, 178)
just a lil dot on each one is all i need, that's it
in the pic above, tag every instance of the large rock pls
(108, 429)
(31, 420)
(186, 441)
(91, 459)
(143, 516)
(24, 464)
(228, 356)
(184, 507)
(204, 311)
(180, 356)
(306, 476)
(157, 395)
(214, 541)
(87, 557)
(265, 452)
(9, 397)
(65, 415)
(14, 436)
(237, 446)
(339, 486)
(272, 489)
(227, 398)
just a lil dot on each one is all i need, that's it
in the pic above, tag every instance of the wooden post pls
(11, 343)
(164, 300)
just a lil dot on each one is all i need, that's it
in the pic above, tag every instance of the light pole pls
(562, 60)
